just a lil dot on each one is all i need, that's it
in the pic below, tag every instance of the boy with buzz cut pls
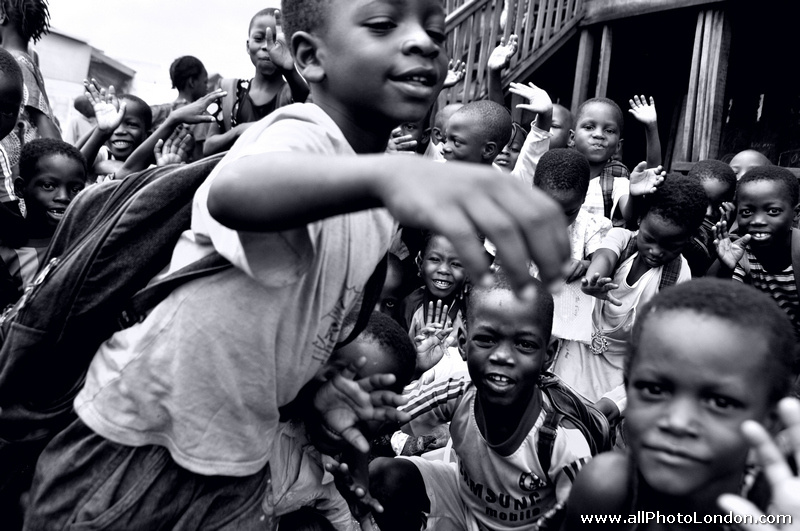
(185, 404)
(497, 483)
(477, 132)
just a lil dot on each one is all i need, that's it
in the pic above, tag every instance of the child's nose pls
(681, 417)
(419, 41)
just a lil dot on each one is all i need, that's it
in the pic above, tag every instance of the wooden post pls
(605, 63)
(583, 69)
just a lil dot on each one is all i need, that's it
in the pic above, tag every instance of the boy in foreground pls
(186, 402)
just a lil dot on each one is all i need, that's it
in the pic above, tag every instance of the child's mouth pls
(498, 383)
(120, 144)
(760, 236)
(57, 213)
(442, 284)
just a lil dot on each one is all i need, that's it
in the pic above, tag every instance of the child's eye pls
(433, 259)
(611, 131)
(77, 189)
(483, 340)
(47, 186)
(390, 303)
(588, 127)
(745, 212)
(724, 403)
(527, 346)
(456, 264)
(649, 389)
(774, 211)
(380, 25)
(437, 35)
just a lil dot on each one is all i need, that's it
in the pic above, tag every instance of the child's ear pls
(19, 187)
(306, 56)
(571, 141)
(462, 343)
(426, 136)
(550, 353)
(619, 146)
(490, 151)
(418, 261)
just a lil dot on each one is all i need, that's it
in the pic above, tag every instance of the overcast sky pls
(154, 32)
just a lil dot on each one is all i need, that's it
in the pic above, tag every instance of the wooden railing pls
(474, 29)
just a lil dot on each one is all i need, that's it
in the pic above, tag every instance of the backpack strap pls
(148, 297)
(229, 86)
(670, 273)
(629, 249)
(372, 292)
(607, 188)
(547, 439)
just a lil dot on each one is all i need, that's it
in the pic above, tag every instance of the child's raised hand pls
(538, 99)
(726, 212)
(729, 252)
(600, 287)
(195, 112)
(785, 484)
(501, 56)
(642, 110)
(343, 402)
(279, 52)
(436, 333)
(645, 180)
(176, 149)
(108, 110)
(455, 73)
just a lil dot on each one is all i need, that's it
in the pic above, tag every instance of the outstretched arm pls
(645, 113)
(598, 281)
(644, 181)
(498, 60)
(461, 200)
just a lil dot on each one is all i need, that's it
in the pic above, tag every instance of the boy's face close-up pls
(57, 181)
(660, 241)
(765, 213)
(597, 132)
(693, 381)
(441, 269)
(506, 348)
(465, 139)
(384, 62)
(130, 133)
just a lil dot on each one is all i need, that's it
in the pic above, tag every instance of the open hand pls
(600, 287)
(352, 482)
(108, 110)
(538, 99)
(645, 180)
(195, 112)
(279, 52)
(642, 110)
(501, 56)
(343, 402)
(784, 484)
(400, 143)
(434, 338)
(176, 149)
(729, 252)
(455, 73)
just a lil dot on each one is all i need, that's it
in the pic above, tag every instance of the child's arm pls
(461, 200)
(644, 181)
(538, 140)
(217, 143)
(598, 281)
(44, 125)
(601, 488)
(109, 112)
(784, 482)
(455, 73)
(646, 114)
(193, 113)
(498, 60)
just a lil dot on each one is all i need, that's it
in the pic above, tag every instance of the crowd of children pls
(436, 318)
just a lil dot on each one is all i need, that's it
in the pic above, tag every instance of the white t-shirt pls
(594, 196)
(205, 373)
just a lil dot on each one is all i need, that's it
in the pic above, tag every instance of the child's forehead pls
(263, 21)
(762, 188)
(599, 110)
(502, 305)
(439, 244)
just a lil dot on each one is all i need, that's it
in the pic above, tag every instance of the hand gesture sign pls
(645, 180)
(784, 483)
(538, 100)
(729, 252)
(501, 56)
(642, 110)
(279, 52)
(342, 402)
(400, 143)
(108, 110)
(434, 338)
(600, 288)
(176, 149)
(455, 73)
(195, 112)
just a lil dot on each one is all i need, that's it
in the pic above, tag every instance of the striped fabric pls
(22, 263)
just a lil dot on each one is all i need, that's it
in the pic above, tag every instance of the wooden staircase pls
(474, 29)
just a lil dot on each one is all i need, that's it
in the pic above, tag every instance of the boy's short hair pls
(394, 339)
(495, 119)
(183, 69)
(10, 68)
(611, 103)
(146, 112)
(34, 150)
(266, 11)
(775, 174)
(739, 304)
(564, 170)
(500, 282)
(716, 170)
(30, 17)
(303, 15)
(680, 199)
